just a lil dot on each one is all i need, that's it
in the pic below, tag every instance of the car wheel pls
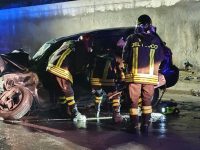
(15, 102)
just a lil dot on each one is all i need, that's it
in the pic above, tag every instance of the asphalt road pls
(179, 132)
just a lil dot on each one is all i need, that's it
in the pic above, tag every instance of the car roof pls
(99, 33)
(101, 37)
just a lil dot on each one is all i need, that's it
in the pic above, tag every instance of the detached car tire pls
(22, 100)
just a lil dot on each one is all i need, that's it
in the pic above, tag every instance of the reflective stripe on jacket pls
(104, 73)
(57, 61)
(143, 54)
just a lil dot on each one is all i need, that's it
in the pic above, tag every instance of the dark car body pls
(102, 39)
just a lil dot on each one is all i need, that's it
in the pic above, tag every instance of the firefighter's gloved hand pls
(79, 117)
(68, 45)
(161, 80)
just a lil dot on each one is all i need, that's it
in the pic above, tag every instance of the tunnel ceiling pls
(7, 4)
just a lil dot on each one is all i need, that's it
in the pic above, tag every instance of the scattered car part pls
(168, 107)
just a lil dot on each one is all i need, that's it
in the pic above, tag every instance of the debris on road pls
(195, 92)
(158, 117)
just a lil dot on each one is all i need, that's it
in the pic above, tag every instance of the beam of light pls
(12, 20)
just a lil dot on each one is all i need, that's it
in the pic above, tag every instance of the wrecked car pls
(26, 83)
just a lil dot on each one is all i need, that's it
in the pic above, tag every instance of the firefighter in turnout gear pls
(142, 53)
(70, 59)
(105, 74)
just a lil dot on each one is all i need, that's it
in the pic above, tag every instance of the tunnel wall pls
(177, 22)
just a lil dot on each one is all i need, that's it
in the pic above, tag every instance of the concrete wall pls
(177, 21)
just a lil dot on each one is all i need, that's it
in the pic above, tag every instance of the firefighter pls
(71, 58)
(142, 54)
(105, 76)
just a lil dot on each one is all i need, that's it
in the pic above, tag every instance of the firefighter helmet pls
(144, 20)
(144, 25)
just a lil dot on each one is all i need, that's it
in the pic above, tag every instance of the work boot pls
(79, 117)
(145, 123)
(133, 126)
(117, 118)
(144, 128)
(76, 115)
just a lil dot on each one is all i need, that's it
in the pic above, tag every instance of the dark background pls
(6, 4)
